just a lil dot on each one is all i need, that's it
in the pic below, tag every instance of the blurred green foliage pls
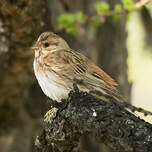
(117, 12)
(102, 7)
(72, 21)
(128, 4)
(94, 23)
(117, 8)
(69, 21)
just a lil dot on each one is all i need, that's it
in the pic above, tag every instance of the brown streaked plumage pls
(57, 67)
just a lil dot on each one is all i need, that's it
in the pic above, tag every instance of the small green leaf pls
(128, 4)
(65, 20)
(102, 7)
(79, 17)
(117, 8)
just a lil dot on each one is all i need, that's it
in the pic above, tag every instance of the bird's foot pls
(59, 105)
(50, 115)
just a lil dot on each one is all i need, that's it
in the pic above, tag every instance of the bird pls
(57, 67)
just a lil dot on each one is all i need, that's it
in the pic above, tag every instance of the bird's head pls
(48, 41)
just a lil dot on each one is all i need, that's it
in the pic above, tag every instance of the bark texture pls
(107, 122)
(20, 97)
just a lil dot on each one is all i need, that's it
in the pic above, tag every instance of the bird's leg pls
(60, 105)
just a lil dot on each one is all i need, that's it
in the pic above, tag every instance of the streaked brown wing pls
(71, 65)
(98, 73)
(90, 70)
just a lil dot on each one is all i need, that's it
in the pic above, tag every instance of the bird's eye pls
(46, 44)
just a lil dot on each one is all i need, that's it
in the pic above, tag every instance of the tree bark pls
(20, 117)
(109, 122)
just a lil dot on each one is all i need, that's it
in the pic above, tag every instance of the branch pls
(142, 3)
(108, 122)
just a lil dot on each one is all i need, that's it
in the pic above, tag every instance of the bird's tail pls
(120, 100)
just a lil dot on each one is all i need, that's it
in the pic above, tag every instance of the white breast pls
(49, 87)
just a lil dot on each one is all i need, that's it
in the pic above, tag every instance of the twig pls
(142, 3)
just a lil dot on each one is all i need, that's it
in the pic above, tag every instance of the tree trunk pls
(112, 52)
(20, 97)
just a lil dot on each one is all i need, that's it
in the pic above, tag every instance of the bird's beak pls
(34, 48)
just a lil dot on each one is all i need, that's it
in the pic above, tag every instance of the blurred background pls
(115, 34)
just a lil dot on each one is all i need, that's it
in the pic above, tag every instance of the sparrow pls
(57, 67)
